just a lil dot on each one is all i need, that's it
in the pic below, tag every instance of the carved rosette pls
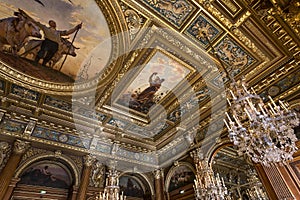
(20, 146)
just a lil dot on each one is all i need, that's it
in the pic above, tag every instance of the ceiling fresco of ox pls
(80, 55)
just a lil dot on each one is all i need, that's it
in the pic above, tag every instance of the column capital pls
(89, 160)
(4, 146)
(158, 173)
(20, 146)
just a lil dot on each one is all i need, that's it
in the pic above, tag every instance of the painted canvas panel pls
(79, 53)
(46, 174)
(201, 28)
(159, 76)
(131, 186)
(234, 56)
(182, 176)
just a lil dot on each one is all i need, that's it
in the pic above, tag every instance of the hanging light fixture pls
(112, 189)
(207, 185)
(263, 132)
(255, 190)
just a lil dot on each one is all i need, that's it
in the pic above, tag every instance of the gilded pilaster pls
(7, 173)
(88, 162)
(159, 189)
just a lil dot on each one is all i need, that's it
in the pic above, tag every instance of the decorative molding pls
(97, 177)
(89, 160)
(5, 152)
(158, 174)
(20, 146)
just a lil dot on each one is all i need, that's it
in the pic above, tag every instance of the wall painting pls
(47, 174)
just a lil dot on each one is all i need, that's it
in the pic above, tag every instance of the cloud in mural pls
(89, 39)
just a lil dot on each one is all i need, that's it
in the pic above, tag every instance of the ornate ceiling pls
(145, 80)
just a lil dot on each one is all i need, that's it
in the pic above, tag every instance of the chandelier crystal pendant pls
(112, 189)
(263, 132)
(207, 185)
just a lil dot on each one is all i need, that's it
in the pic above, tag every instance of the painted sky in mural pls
(166, 67)
(92, 39)
(159, 76)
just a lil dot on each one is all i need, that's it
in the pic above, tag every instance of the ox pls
(64, 47)
(14, 31)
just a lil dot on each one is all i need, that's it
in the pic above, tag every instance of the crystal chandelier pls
(207, 186)
(264, 132)
(112, 189)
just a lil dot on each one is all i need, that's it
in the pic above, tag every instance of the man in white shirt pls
(52, 38)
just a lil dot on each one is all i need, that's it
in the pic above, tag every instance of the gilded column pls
(88, 162)
(159, 187)
(11, 188)
(7, 173)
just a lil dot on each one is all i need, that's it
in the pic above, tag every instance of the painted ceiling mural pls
(88, 52)
(249, 43)
(158, 77)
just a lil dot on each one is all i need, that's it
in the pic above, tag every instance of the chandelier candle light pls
(112, 189)
(262, 132)
(207, 186)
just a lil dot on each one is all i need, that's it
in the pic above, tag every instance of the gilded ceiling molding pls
(282, 34)
(292, 91)
(281, 72)
(242, 19)
(235, 31)
(135, 20)
(213, 150)
(249, 44)
(295, 104)
(207, 4)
